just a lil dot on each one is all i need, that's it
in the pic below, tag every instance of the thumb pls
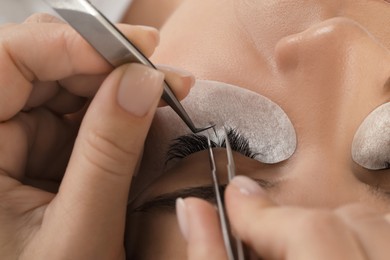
(106, 152)
(199, 224)
(282, 232)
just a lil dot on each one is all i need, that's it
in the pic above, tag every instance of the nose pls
(281, 18)
(336, 71)
(333, 74)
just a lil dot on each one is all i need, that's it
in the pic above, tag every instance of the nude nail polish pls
(140, 87)
(247, 186)
(181, 212)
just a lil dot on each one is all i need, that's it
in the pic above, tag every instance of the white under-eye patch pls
(371, 144)
(266, 126)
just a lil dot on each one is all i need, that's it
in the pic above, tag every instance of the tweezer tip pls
(198, 130)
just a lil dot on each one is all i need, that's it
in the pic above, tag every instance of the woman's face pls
(325, 63)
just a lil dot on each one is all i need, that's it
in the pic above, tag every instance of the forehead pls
(235, 40)
(279, 18)
(263, 23)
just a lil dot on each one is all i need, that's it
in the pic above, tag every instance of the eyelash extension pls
(186, 145)
(387, 165)
(239, 143)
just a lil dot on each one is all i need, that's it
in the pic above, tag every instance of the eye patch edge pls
(371, 143)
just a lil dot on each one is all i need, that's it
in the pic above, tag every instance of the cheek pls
(154, 236)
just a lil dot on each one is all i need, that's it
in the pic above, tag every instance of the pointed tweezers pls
(236, 253)
(112, 44)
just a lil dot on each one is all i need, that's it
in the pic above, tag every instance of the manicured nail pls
(181, 213)
(139, 89)
(153, 32)
(247, 186)
(180, 72)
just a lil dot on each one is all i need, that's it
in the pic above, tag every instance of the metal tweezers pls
(233, 252)
(112, 44)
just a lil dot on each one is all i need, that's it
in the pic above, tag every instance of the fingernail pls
(247, 186)
(139, 89)
(153, 32)
(180, 72)
(181, 213)
(387, 217)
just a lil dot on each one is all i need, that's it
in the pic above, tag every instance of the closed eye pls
(186, 145)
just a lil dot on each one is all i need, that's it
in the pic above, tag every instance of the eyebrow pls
(166, 202)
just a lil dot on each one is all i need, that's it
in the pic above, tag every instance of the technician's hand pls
(48, 76)
(277, 232)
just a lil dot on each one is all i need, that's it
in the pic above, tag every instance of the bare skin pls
(144, 12)
(327, 64)
(283, 63)
(68, 118)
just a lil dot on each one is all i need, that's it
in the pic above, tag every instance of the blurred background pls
(16, 11)
(13, 11)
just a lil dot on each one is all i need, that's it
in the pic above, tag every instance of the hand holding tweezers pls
(112, 44)
(235, 252)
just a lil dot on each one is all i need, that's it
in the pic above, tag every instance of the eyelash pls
(186, 145)
(387, 165)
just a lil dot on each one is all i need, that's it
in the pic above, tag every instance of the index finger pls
(51, 51)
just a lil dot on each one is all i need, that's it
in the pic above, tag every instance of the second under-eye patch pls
(371, 144)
